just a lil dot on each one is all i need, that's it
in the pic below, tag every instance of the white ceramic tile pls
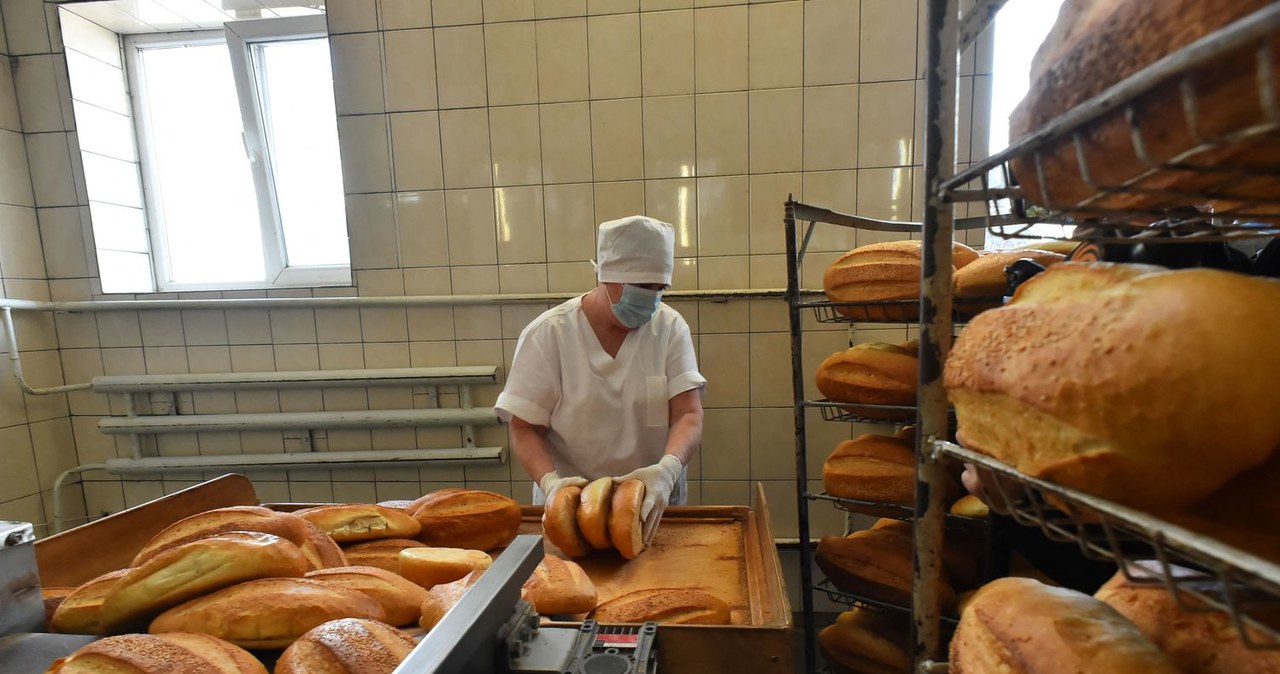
(518, 216)
(462, 81)
(550, 9)
(617, 139)
(612, 6)
(244, 326)
(352, 16)
(830, 127)
(21, 253)
(507, 10)
(884, 194)
(720, 49)
(397, 14)
(721, 132)
(293, 326)
(372, 232)
(562, 60)
(97, 83)
(162, 328)
(566, 142)
(570, 277)
(434, 323)
(357, 71)
(337, 325)
(465, 137)
(9, 117)
(886, 55)
(38, 99)
(410, 70)
(104, 132)
(837, 190)
(776, 130)
(768, 196)
(107, 179)
(25, 27)
(666, 53)
(423, 235)
(724, 216)
(456, 12)
(614, 55)
(204, 327)
(831, 42)
(675, 202)
(886, 124)
(517, 156)
(618, 200)
(776, 39)
(366, 160)
(725, 271)
(51, 170)
(668, 137)
(472, 234)
(523, 278)
(62, 235)
(728, 377)
(570, 222)
(415, 149)
(511, 59)
(89, 38)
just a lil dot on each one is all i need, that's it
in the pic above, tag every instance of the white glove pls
(552, 481)
(659, 479)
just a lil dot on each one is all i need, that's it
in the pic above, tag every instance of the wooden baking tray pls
(726, 550)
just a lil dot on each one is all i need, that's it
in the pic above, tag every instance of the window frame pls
(240, 37)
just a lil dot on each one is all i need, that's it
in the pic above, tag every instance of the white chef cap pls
(635, 249)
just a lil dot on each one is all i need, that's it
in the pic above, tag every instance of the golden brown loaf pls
(875, 373)
(235, 518)
(193, 569)
(401, 600)
(81, 611)
(429, 567)
(53, 597)
(882, 272)
(560, 522)
(186, 652)
(431, 497)
(1062, 246)
(1021, 626)
(443, 597)
(862, 642)
(875, 563)
(970, 506)
(670, 605)
(1099, 376)
(321, 550)
(347, 646)
(469, 518)
(986, 277)
(559, 587)
(1199, 642)
(353, 522)
(384, 553)
(626, 530)
(872, 468)
(593, 513)
(267, 613)
(402, 504)
(1092, 46)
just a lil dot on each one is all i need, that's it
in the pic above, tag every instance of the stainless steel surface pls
(809, 213)
(227, 381)
(29, 653)
(21, 603)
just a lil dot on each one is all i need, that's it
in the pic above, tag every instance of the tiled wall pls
(482, 142)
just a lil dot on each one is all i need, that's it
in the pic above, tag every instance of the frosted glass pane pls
(205, 184)
(125, 272)
(118, 227)
(303, 134)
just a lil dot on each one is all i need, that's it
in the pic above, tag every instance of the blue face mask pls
(636, 306)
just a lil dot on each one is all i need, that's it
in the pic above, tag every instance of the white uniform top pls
(605, 416)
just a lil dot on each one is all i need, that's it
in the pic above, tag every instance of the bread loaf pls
(401, 600)
(220, 520)
(469, 518)
(593, 513)
(429, 567)
(431, 497)
(872, 468)
(560, 522)
(669, 605)
(186, 652)
(347, 646)
(1021, 626)
(1199, 642)
(986, 277)
(876, 564)
(321, 550)
(53, 597)
(626, 530)
(970, 506)
(401, 504)
(882, 272)
(267, 613)
(353, 522)
(1099, 376)
(559, 587)
(862, 642)
(875, 373)
(443, 597)
(384, 553)
(193, 569)
(81, 611)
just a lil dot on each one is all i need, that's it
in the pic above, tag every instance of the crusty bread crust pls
(559, 587)
(349, 646)
(560, 522)
(352, 522)
(593, 513)
(468, 518)
(175, 652)
(676, 606)
(401, 599)
(383, 553)
(872, 468)
(626, 531)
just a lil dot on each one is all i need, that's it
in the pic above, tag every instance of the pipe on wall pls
(16, 360)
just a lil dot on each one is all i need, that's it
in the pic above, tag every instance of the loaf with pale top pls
(186, 652)
(558, 587)
(383, 553)
(401, 599)
(81, 611)
(219, 520)
(429, 567)
(353, 522)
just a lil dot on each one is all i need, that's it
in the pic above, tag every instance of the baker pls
(607, 383)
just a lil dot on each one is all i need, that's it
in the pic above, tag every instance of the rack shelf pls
(1224, 578)
(891, 510)
(892, 311)
(849, 599)
(863, 412)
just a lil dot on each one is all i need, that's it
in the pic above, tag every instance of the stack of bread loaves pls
(599, 516)
(864, 642)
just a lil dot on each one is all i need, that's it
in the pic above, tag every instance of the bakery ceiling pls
(131, 17)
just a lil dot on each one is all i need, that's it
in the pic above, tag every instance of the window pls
(239, 156)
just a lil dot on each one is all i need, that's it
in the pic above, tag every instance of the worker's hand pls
(659, 479)
(997, 492)
(552, 481)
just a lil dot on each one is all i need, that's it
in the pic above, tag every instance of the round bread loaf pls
(384, 553)
(559, 587)
(861, 641)
(1022, 625)
(267, 613)
(880, 272)
(185, 652)
(219, 520)
(401, 599)
(593, 513)
(468, 518)
(347, 646)
(1099, 376)
(81, 611)
(350, 523)
(429, 567)
(670, 605)
(560, 522)
(322, 552)
(872, 468)
(875, 373)
(626, 530)
(443, 597)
